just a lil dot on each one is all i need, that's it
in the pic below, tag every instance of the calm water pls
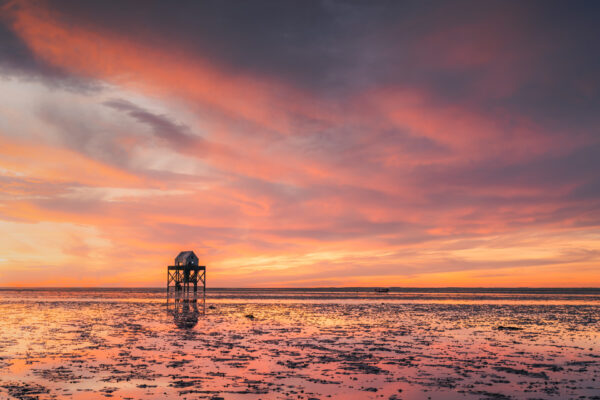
(300, 343)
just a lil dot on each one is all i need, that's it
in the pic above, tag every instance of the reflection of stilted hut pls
(185, 273)
(185, 311)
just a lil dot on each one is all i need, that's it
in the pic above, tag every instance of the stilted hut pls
(185, 273)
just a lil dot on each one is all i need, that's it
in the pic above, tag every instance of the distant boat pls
(382, 290)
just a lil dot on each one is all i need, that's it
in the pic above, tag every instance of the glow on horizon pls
(151, 149)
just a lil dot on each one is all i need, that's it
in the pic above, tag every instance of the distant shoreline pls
(515, 290)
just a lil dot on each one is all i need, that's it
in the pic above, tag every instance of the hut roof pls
(185, 257)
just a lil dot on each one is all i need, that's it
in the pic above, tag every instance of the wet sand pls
(131, 346)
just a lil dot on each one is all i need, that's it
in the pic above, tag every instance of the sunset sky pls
(300, 143)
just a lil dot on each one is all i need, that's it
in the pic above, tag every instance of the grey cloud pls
(176, 135)
(546, 171)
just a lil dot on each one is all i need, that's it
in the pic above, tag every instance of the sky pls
(300, 143)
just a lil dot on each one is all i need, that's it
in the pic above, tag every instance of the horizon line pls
(312, 287)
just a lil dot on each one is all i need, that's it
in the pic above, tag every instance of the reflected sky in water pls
(129, 343)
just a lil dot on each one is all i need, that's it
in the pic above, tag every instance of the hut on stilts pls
(186, 274)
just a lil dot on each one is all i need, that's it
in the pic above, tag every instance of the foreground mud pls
(82, 348)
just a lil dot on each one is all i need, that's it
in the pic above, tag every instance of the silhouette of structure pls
(186, 274)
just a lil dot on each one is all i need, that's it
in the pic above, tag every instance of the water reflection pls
(345, 349)
(186, 309)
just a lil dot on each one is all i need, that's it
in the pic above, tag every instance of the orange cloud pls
(57, 164)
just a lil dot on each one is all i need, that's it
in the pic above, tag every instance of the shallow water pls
(350, 344)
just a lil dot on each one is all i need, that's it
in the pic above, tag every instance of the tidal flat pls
(129, 344)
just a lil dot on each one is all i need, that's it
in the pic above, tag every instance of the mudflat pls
(129, 344)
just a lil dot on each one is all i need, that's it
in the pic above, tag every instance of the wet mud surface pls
(85, 349)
